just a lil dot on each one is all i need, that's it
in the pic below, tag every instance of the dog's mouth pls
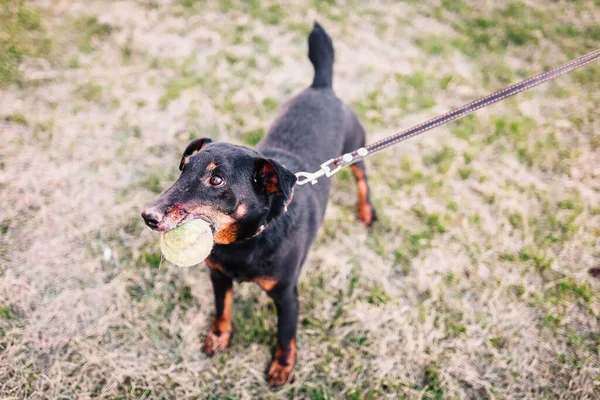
(188, 218)
(171, 221)
(203, 218)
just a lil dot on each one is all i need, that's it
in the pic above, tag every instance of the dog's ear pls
(274, 178)
(194, 147)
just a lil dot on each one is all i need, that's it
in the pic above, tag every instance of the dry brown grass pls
(473, 284)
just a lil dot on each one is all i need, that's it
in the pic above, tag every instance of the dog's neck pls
(268, 221)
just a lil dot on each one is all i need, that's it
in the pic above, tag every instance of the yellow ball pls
(188, 244)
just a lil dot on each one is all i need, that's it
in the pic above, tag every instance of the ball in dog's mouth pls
(188, 244)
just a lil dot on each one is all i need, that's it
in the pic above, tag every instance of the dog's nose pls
(152, 217)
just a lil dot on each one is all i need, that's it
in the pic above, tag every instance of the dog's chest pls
(239, 270)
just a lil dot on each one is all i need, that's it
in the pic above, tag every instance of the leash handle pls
(333, 165)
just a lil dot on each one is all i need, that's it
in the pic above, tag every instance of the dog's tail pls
(320, 53)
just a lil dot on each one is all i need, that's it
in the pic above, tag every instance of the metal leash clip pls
(346, 159)
(305, 177)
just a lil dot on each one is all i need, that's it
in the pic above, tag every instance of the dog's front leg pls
(284, 359)
(219, 335)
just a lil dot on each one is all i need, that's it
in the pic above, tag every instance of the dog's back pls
(314, 126)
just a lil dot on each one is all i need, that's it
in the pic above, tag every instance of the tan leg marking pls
(282, 366)
(365, 211)
(219, 335)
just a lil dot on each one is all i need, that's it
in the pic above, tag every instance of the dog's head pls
(233, 188)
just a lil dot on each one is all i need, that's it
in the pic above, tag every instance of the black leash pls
(332, 166)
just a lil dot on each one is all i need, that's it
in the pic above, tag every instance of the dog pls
(263, 225)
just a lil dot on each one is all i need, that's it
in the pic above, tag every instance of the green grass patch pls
(153, 260)
(260, 44)
(253, 137)
(302, 28)
(270, 104)
(413, 243)
(588, 77)
(464, 173)
(515, 25)
(466, 127)
(176, 86)
(253, 323)
(189, 3)
(539, 258)
(90, 91)
(443, 159)
(496, 74)
(272, 14)
(569, 287)
(432, 384)
(434, 45)
(5, 312)
(514, 129)
(378, 296)
(21, 35)
(498, 342)
(516, 220)
(16, 118)
(152, 183)
(356, 339)
(89, 31)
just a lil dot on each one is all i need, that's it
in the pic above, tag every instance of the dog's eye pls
(216, 180)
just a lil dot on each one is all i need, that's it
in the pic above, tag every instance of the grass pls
(90, 91)
(474, 282)
(16, 118)
(22, 35)
(91, 32)
(251, 138)
(175, 87)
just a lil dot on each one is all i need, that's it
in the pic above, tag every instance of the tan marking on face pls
(280, 371)
(209, 167)
(265, 282)
(241, 210)
(228, 234)
(226, 227)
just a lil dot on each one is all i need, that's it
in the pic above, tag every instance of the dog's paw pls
(367, 214)
(278, 374)
(216, 341)
(282, 366)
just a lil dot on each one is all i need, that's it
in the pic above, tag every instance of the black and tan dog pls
(263, 228)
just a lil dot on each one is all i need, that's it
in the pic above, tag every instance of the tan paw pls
(278, 374)
(282, 366)
(216, 341)
(366, 214)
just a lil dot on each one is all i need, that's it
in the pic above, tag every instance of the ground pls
(474, 283)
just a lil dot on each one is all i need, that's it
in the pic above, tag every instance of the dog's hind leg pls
(366, 211)
(355, 138)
